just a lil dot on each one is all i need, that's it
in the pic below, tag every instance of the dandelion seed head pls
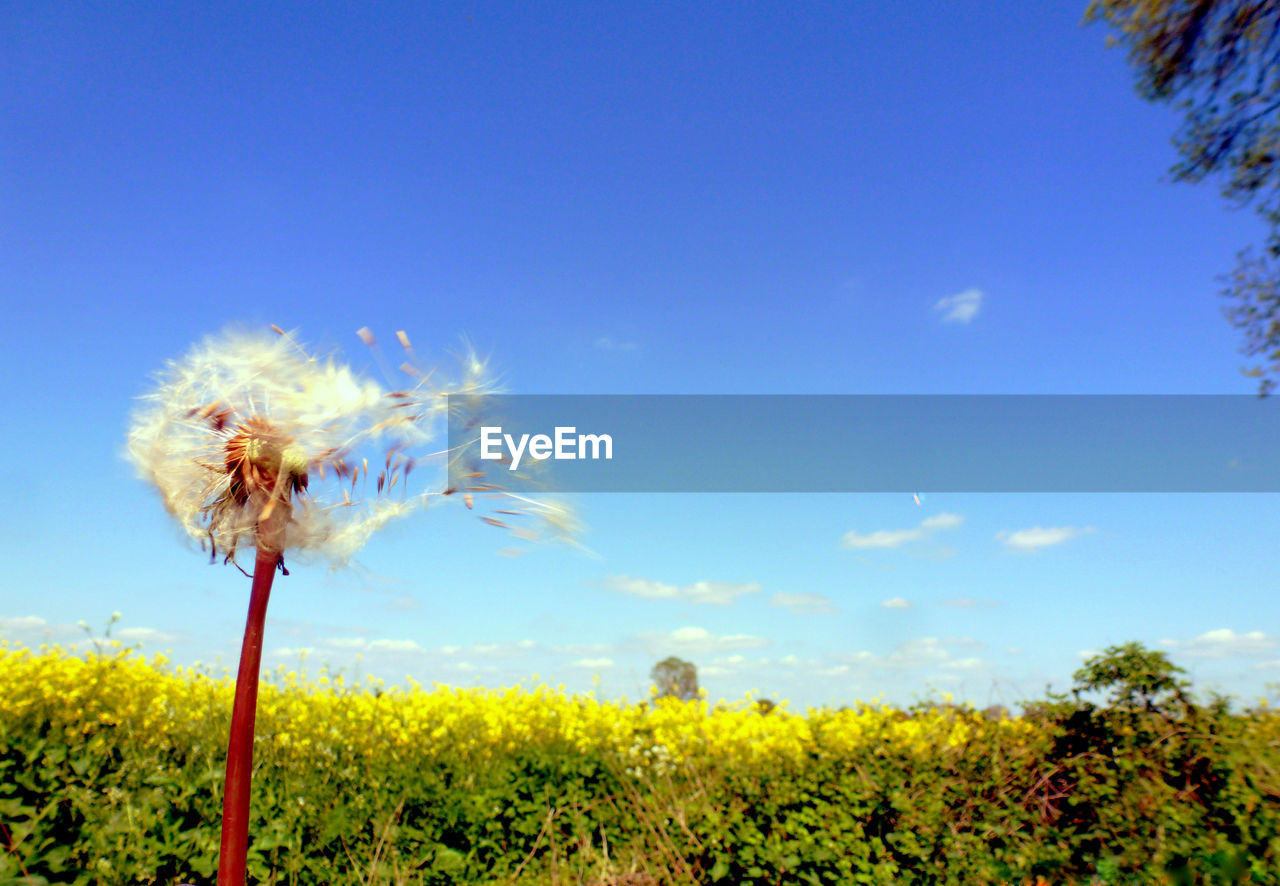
(247, 423)
(245, 420)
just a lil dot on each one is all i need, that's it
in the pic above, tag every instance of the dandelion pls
(252, 441)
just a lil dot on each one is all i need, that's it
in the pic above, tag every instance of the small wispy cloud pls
(22, 622)
(608, 343)
(292, 651)
(969, 603)
(144, 635)
(896, 603)
(892, 538)
(881, 538)
(695, 640)
(1225, 643)
(347, 642)
(488, 650)
(584, 649)
(388, 645)
(804, 604)
(961, 307)
(917, 653)
(593, 663)
(1039, 537)
(718, 593)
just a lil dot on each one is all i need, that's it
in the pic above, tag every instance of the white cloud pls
(587, 649)
(607, 343)
(961, 307)
(806, 604)
(347, 642)
(896, 603)
(1225, 643)
(292, 652)
(146, 635)
(969, 603)
(881, 538)
(694, 640)
(718, 593)
(963, 664)
(22, 622)
(1038, 537)
(494, 650)
(892, 538)
(593, 663)
(395, 645)
(470, 667)
(915, 653)
(942, 521)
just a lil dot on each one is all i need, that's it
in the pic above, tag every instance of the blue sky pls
(825, 198)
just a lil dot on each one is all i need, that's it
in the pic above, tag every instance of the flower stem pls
(232, 858)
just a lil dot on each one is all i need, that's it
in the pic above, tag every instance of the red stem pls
(232, 859)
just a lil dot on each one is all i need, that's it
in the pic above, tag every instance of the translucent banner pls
(865, 443)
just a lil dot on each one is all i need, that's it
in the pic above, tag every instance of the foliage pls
(1139, 678)
(675, 678)
(1220, 59)
(110, 773)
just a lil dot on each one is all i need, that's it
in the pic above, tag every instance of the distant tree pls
(1137, 678)
(765, 705)
(1219, 60)
(675, 677)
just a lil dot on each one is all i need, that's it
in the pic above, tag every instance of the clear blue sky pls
(627, 198)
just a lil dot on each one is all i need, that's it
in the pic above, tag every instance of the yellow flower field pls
(151, 702)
